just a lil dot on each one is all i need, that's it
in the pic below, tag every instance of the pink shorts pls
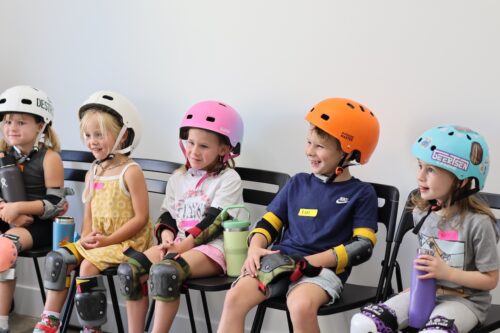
(213, 253)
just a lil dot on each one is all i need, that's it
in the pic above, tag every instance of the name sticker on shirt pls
(308, 212)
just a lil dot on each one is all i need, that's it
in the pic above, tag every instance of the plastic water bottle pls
(63, 230)
(235, 241)
(422, 295)
(11, 180)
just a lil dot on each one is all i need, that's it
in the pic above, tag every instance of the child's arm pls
(136, 185)
(53, 177)
(437, 268)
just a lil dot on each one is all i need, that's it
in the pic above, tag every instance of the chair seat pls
(492, 323)
(36, 253)
(218, 283)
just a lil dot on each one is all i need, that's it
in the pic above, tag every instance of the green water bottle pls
(235, 241)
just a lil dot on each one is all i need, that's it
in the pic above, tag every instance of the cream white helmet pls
(26, 99)
(120, 107)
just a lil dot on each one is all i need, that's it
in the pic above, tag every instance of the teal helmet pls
(456, 149)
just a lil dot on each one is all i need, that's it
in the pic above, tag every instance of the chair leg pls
(205, 310)
(258, 319)
(190, 311)
(151, 312)
(289, 321)
(70, 302)
(39, 278)
(116, 305)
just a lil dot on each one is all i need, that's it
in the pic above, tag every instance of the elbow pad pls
(210, 227)
(55, 203)
(269, 226)
(165, 221)
(356, 251)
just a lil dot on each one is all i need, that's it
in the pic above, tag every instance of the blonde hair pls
(471, 203)
(50, 141)
(108, 124)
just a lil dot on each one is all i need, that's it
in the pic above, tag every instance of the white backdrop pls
(415, 64)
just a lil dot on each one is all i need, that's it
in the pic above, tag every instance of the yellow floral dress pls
(111, 209)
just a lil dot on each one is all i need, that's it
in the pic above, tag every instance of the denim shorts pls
(326, 280)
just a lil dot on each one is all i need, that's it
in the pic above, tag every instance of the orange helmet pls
(353, 124)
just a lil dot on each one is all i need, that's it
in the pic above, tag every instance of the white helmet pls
(120, 107)
(26, 99)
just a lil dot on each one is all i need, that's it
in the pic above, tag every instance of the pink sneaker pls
(89, 329)
(47, 324)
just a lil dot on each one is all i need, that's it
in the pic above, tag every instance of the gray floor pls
(25, 324)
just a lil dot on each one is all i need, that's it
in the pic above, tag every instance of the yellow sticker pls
(308, 212)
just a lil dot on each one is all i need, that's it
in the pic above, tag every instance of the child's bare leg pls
(201, 266)
(303, 303)
(238, 302)
(137, 309)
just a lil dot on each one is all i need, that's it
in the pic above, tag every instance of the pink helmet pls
(216, 117)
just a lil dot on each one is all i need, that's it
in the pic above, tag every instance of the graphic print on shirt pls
(191, 208)
(451, 251)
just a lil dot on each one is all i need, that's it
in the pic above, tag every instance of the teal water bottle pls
(63, 230)
(235, 241)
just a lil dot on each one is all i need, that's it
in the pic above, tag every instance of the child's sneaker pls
(47, 324)
(89, 329)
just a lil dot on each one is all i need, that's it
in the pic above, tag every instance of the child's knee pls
(301, 309)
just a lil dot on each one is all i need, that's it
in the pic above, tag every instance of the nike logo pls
(342, 200)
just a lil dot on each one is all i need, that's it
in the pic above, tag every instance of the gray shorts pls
(326, 280)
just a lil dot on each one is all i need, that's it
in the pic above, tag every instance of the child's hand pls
(9, 211)
(94, 240)
(435, 267)
(252, 262)
(22, 221)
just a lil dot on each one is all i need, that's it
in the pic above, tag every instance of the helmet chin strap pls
(20, 157)
(113, 152)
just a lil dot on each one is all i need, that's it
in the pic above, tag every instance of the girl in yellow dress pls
(116, 213)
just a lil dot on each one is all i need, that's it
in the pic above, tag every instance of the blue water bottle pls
(63, 230)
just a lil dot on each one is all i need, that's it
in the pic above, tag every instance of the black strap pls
(141, 258)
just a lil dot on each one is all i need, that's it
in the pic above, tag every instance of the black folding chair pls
(406, 224)
(353, 295)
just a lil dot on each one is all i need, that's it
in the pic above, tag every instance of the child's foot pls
(88, 329)
(47, 324)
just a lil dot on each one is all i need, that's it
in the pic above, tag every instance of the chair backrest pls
(387, 214)
(406, 224)
(255, 190)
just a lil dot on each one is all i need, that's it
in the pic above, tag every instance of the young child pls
(116, 214)
(453, 164)
(29, 139)
(328, 218)
(210, 137)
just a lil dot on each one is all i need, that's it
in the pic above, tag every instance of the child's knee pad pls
(9, 247)
(90, 300)
(130, 274)
(166, 278)
(440, 324)
(374, 318)
(56, 267)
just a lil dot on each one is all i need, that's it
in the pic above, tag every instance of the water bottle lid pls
(7, 160)
(235, 224)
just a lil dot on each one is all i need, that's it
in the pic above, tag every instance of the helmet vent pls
(224, 105)
(351, 106)
(325, 116)
(419, 139)
(211, 119)
(468, 137)
(26, 101)
(189, 116)
(109, 98)
(372, 114)
(3, 100)
(362, 108)
(433, 148)
(312, 110)
(451, 133)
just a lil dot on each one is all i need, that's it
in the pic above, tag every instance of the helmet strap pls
(114, 150)
(339, 169)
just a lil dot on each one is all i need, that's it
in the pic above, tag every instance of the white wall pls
(416, 64)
